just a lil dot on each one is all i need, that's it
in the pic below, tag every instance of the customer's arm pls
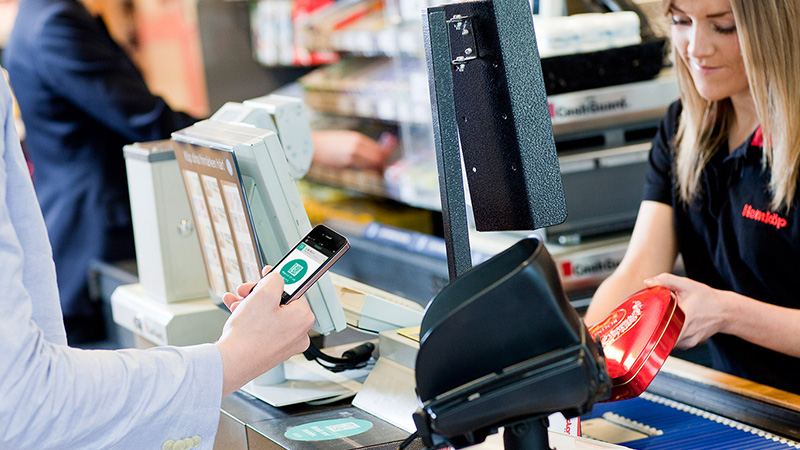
(56, 397)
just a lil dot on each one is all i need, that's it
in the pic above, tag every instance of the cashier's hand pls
(701, 304)
(338, 149)
(260, 333)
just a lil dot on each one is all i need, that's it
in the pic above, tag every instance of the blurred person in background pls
(82, 99)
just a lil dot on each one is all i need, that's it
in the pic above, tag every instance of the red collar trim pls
(758, 138)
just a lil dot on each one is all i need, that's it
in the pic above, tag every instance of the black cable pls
(354, 358)
(408, 441)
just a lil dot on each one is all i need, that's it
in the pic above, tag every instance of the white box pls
(188, 322)
(168, 257)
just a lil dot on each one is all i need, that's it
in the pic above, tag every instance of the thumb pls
(667, 280)
(272, 285)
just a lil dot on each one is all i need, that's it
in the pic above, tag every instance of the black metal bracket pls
(489, 109)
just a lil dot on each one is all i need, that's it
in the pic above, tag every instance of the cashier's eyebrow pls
(674, 8)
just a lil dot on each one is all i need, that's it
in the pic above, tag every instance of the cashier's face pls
(705, 36)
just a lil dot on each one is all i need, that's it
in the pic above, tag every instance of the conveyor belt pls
(675, 425)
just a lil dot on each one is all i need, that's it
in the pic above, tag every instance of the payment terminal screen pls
(300, 264)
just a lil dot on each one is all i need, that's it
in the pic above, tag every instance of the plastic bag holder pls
(501, 346)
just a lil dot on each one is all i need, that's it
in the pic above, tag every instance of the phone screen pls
(309, 260)
(300, 264)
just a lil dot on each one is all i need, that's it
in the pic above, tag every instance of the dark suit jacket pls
(82, 100)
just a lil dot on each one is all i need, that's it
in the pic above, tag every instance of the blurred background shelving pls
(359, 64)
(380, 78)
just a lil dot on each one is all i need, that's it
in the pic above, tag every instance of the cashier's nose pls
(699, 44)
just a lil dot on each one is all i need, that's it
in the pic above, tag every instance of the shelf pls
(370, 88)
(415, 185)
(361, 27)
(383, 77)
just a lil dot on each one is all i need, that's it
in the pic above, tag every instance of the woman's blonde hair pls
(771, 51)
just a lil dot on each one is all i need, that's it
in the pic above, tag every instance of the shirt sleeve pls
(56, 397)
(658, 185)
(80, 60)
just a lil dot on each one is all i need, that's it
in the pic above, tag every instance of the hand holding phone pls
(309, 260)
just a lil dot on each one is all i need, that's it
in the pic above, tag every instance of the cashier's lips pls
(637, 337)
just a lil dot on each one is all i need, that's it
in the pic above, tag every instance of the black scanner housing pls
(501, 345)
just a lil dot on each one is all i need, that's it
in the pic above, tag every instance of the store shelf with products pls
(381, 78)
(414, 184)
(275, 37)
(364, 27)
(371, 88)
(383, 234)
(612, 103)
(598, 132)
(324, 203)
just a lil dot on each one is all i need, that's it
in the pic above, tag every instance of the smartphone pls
(309, 260)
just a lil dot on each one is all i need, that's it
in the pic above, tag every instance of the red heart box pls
(637, 337)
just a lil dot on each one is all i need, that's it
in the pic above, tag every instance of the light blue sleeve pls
(56, 397)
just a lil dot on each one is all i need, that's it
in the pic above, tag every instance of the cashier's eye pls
(725, 30)
(678, 19)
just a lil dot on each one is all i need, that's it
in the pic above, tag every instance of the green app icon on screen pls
(294, 271)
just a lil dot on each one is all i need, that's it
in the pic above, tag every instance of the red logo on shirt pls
(766, 217)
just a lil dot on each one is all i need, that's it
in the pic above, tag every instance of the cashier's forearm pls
(610, 293)
(770, 326)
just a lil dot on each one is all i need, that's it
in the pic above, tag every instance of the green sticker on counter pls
(325, 430)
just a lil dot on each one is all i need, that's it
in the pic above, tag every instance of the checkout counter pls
(706, 407)
(685, 406)
(703, 409)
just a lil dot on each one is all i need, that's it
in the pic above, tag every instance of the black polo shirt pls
(730, 239)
